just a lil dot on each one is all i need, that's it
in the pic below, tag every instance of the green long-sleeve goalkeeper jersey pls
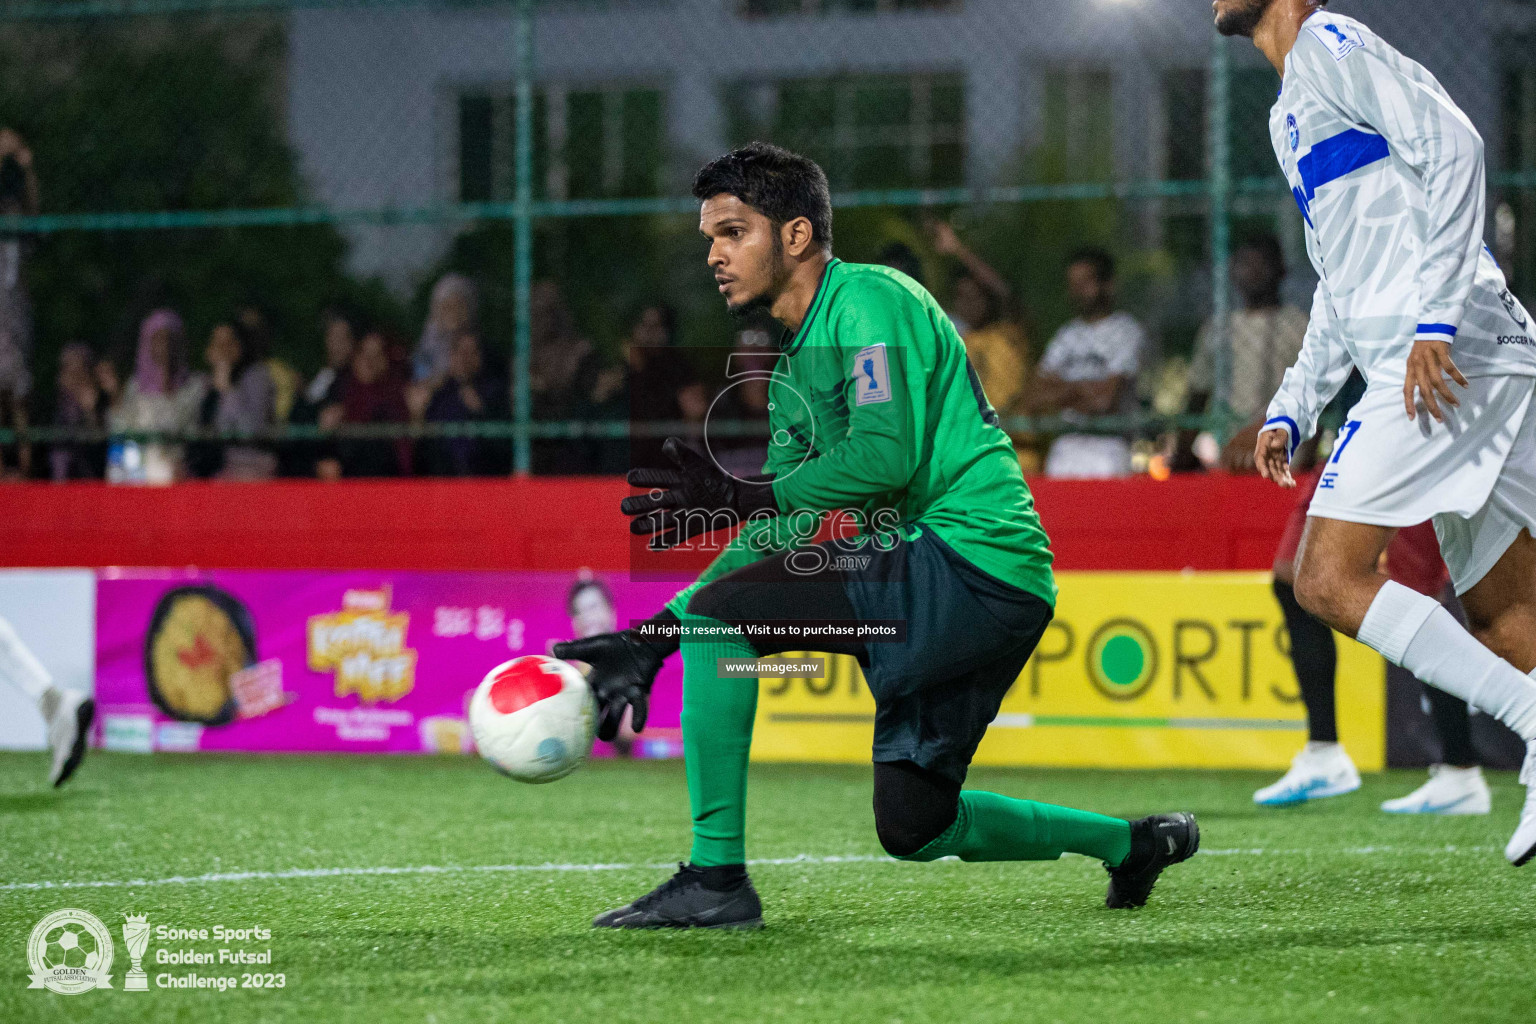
(874, 406)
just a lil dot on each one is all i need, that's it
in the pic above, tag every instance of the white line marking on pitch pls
(451, 869)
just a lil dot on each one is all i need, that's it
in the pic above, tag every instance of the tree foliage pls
(156, 116)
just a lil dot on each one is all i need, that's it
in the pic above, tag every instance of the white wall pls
(54, 613)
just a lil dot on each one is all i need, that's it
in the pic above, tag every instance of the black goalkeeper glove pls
(624, 665)
(692, 497)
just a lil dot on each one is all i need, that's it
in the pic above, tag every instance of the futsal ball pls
(533, 718)
(70, 945)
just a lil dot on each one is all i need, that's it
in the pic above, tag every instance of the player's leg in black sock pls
(1453, 726)
(1315, 660)
(713, 890)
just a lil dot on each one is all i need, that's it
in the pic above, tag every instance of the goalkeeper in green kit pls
(877, 414)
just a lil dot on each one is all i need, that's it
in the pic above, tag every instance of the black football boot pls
(693, 898)
(1157, 842)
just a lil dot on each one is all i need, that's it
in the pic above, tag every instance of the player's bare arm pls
(1052, 394)
(1097, 397)
(1237, 454)
(1048, 394)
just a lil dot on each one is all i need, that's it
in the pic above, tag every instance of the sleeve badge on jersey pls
(871, 376)
(1341, 40)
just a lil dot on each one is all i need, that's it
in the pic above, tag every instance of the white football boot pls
(1448, 791)
(1522, 845)
(68, 730)
(1320, 770)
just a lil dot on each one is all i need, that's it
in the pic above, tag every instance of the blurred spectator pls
(372, 392)
(15, 459)
(286, 381)
(744, 397)
(656, 384)
(15, 389)
(299, 458)
(996, 346)
(994, 340)
(80, 403)
(900, 256)
(1264, 338)
(162, 395)
(989, 285)
(1090, 369)
(240, 395)
(467, 395)
(452, 312)
(562, 382)
(18, 197)
(340, 344)
(108, 381)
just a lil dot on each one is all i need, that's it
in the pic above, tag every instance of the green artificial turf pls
(1327, 912)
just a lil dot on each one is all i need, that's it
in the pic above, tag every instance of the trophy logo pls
(136, 938)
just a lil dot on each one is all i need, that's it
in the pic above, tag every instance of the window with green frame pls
(866, 131)
(1078, 131)
(1185, 99)
(589, 142)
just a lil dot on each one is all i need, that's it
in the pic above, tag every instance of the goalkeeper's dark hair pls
(776, 183)
(1100, 260)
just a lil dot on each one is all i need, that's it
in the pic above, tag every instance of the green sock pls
(717, 736)
(994, 827)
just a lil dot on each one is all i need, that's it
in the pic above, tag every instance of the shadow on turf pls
(38, 800)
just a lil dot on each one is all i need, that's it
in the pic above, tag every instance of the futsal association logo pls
(70, 952)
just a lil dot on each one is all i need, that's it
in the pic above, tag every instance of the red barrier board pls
(1214, 522)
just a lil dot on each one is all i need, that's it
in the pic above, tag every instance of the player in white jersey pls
(67, 713)
(1389, 176)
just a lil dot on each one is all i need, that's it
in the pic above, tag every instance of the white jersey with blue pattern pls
(1389, 175)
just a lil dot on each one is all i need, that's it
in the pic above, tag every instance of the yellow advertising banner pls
(1137, 670)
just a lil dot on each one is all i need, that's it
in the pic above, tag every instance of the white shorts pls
(1474, 475)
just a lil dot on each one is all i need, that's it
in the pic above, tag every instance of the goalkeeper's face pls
(746, 254)
(1240, 17)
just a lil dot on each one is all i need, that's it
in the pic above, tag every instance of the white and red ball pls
(533, 718)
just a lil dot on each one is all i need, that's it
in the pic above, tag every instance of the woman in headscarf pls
(453, 311)
(161, 395)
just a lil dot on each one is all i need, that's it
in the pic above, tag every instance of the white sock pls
(1414, 631)
(21, 666)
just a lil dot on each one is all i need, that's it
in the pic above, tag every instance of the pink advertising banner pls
(366, 662)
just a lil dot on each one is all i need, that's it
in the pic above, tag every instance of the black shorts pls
(968, 636)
